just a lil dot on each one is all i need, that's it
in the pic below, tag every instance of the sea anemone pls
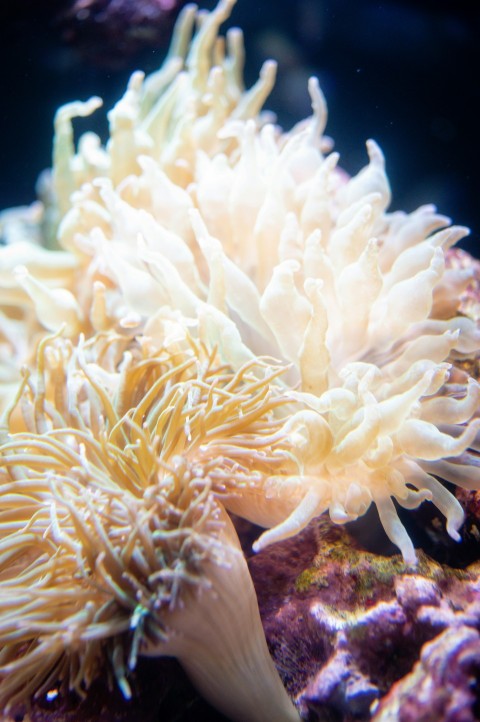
(112, 543)
(360, 303)
(198, 253)
(265, 247)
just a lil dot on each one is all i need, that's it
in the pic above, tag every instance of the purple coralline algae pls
(449, 665)
(346, 633)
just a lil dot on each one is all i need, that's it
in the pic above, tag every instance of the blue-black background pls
(403, 72)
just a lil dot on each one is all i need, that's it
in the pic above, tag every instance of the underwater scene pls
(239, 361)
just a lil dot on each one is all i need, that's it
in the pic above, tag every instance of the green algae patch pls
(309, 578)
(351, 579)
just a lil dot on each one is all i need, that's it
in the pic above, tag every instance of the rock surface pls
(345, 630)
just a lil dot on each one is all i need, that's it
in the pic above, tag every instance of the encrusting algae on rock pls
(238, 327)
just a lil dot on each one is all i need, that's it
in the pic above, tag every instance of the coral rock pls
(347, 628)
(449, 664)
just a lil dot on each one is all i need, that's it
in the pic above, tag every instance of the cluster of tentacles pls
(206, 316)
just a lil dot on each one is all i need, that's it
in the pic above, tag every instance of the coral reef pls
(332, 627)
(450, 665)
(204, 316)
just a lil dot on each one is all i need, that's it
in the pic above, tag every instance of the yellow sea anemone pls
(112, 543)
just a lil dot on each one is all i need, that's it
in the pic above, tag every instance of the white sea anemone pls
(265, 248)
(360, 303)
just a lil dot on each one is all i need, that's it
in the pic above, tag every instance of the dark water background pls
(405, 72)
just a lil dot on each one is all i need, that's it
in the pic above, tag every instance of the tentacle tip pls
(20, 271)
(454, 534)
(410, 560)
(257, 546)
